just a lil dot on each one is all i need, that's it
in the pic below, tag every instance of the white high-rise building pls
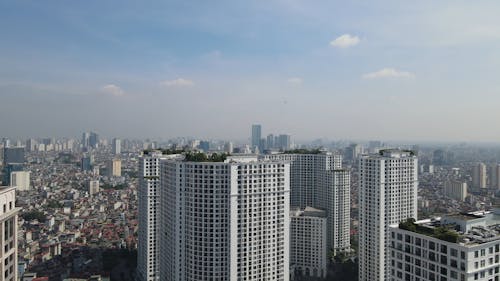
(456, 189)
(114, 168)
(318, 180)
(308, 250)
(117, 146)
(20, 180)
(148, 200)
(494, 176)
(224, 220)
(388, 185)
(93, 187)
(479, 176)
(306, 171)
(463, 247)
(8, 229)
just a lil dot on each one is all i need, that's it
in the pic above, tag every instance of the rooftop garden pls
(202, 157)
(412, 153)
(165, 151)
(440, 232)
(303, 151)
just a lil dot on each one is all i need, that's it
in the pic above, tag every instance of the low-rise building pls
(308, 245)
(455, 247)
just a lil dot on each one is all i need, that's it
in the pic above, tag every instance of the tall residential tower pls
(387, 195)
(317, 180)
(224, 220)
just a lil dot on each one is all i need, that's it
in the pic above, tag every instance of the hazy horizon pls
(339, 70)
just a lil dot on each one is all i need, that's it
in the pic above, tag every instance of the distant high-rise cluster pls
(90, 140)
(271, 142)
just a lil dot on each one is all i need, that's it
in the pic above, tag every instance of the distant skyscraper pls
(6, 142)
(13, 155)
(117, 146)
(270, 141)
(87, 163)
(284, 142)
(8, 170)
(94, 140)
(387, 195)
(479, 176)
(495, 181)
(455, 189)
(204, 145)
(8, 228)
(20, 180)
(256, 135)
(114, 168)
(85, 140)
(30, 145)
(228, 147)
(93, 187)
(224, 221)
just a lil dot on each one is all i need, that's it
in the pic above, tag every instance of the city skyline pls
(310, 70)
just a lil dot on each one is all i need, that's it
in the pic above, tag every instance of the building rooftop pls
(467, 229)
(308, 212)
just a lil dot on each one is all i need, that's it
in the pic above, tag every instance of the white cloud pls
(388, 73)
(112, 90)
(179, 82)
(295, 80)
(345, 41)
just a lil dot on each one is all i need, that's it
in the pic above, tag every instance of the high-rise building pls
(13, 155)
(20, 180)
(94, 140)
(6, 142)
(85, 140)
(387, 195)
(479, 176)
(149, 199)
(318, 180)
(93, 187)
(256, 135)
(204, 145)
(463, 247)
(30, 145)
(456, 189)
(494, 176)
(8, 170)
(284, 142)
(308, 250)
(228, 147)
(114, 168)
(270, 141)
(224, 220)
(117, 146)
(8, 228)
(87, 162)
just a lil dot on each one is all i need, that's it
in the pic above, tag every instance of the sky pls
(355, 69)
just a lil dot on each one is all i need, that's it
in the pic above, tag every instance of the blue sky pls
(336, 69)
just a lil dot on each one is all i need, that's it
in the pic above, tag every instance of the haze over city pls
(335, 69)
